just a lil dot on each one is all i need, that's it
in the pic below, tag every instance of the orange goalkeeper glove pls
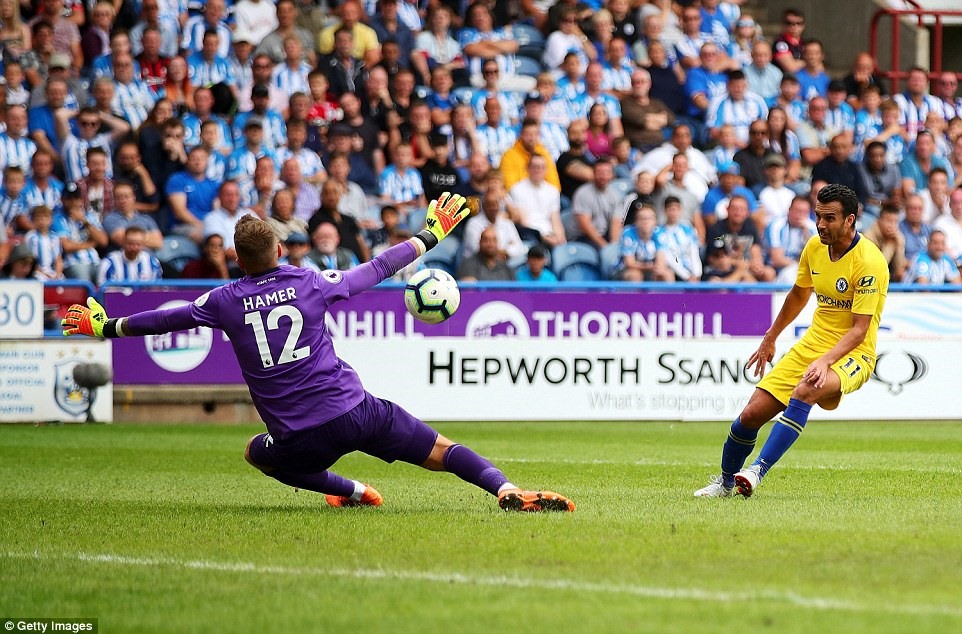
(85, 320)
(445, 213)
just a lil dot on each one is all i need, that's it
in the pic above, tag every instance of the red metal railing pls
(895, 72)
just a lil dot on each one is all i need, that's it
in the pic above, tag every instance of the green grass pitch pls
(166, 529)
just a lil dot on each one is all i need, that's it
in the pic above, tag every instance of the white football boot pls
(747, 480)
(715, 490)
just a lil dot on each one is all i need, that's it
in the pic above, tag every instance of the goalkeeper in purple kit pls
(313, 403)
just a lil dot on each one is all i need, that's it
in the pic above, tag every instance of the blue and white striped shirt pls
(74, 152)
(738, 114)
(554, 138)
(242, 161)
(204, 73)
(510, 105)
(720, 25)
(496, 141)
(103, 66)
(682, 248)
(616, 78)
(842, 118)
(193, 39)
(192, 124)
(583, 102)
(117, 268)
(275, 130)
(46, 248)
(913, 116)
(290, 80)
(49, 197)
(307, 159)
(16, 152)
(74, 230)
(506, 63)
(400, 186)
(216, 166)
(135, 100)
(781, 235)
(10, 208)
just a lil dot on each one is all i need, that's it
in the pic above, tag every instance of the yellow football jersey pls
(856, 284)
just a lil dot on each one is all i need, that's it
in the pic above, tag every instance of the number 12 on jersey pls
(288, 353)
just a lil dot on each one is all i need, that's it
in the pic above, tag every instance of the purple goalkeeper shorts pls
(375, 426)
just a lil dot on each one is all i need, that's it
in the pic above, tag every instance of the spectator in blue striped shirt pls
(16, 148)
(81, 235)
(211, 20)
(290, 76)
(14, 207)
(206, 67)
(131, 95)
(44, 244)
(738, 107)
(133, 263)
(272, 123)
(75, 147)
(241, 162)
(933, 267)
(43, 188)
(400, 183)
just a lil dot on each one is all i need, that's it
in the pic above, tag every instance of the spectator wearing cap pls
(213, 19)
(364, 44)
(81, 236)
(535, 268)
(165, 24)
(191, 195)
(298, 246)
(241, 63)
(715, 205)
(775, 197)
(43, 188)
(125, 215)
(539, 203)
(840, 114)
(21, 265)
(241, 162)
(273, 43)
(515, 161)
(751, 158)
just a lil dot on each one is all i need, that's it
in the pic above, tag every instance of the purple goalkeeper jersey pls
(276, 324)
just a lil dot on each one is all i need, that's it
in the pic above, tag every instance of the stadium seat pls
(576, 262)
(175, 253)
(57, 299)
(530, 40)
(444, 256)
(610, 257)
(527, 66)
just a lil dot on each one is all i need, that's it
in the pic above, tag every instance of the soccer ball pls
(432, 295)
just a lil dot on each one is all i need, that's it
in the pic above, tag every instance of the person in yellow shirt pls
(849, 277)
(514, 162)
(366, 45)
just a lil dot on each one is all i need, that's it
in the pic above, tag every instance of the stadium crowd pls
(603, 139)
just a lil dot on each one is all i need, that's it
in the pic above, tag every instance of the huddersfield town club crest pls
(70, 397)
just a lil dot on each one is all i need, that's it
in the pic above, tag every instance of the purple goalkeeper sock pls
(472, 468)
(321, 482)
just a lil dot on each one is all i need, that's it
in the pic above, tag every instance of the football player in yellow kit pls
(849, 277)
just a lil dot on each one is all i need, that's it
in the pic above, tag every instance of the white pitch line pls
(642, 462)
(651, 592)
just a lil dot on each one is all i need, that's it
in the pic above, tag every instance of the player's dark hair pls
(835, 193)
